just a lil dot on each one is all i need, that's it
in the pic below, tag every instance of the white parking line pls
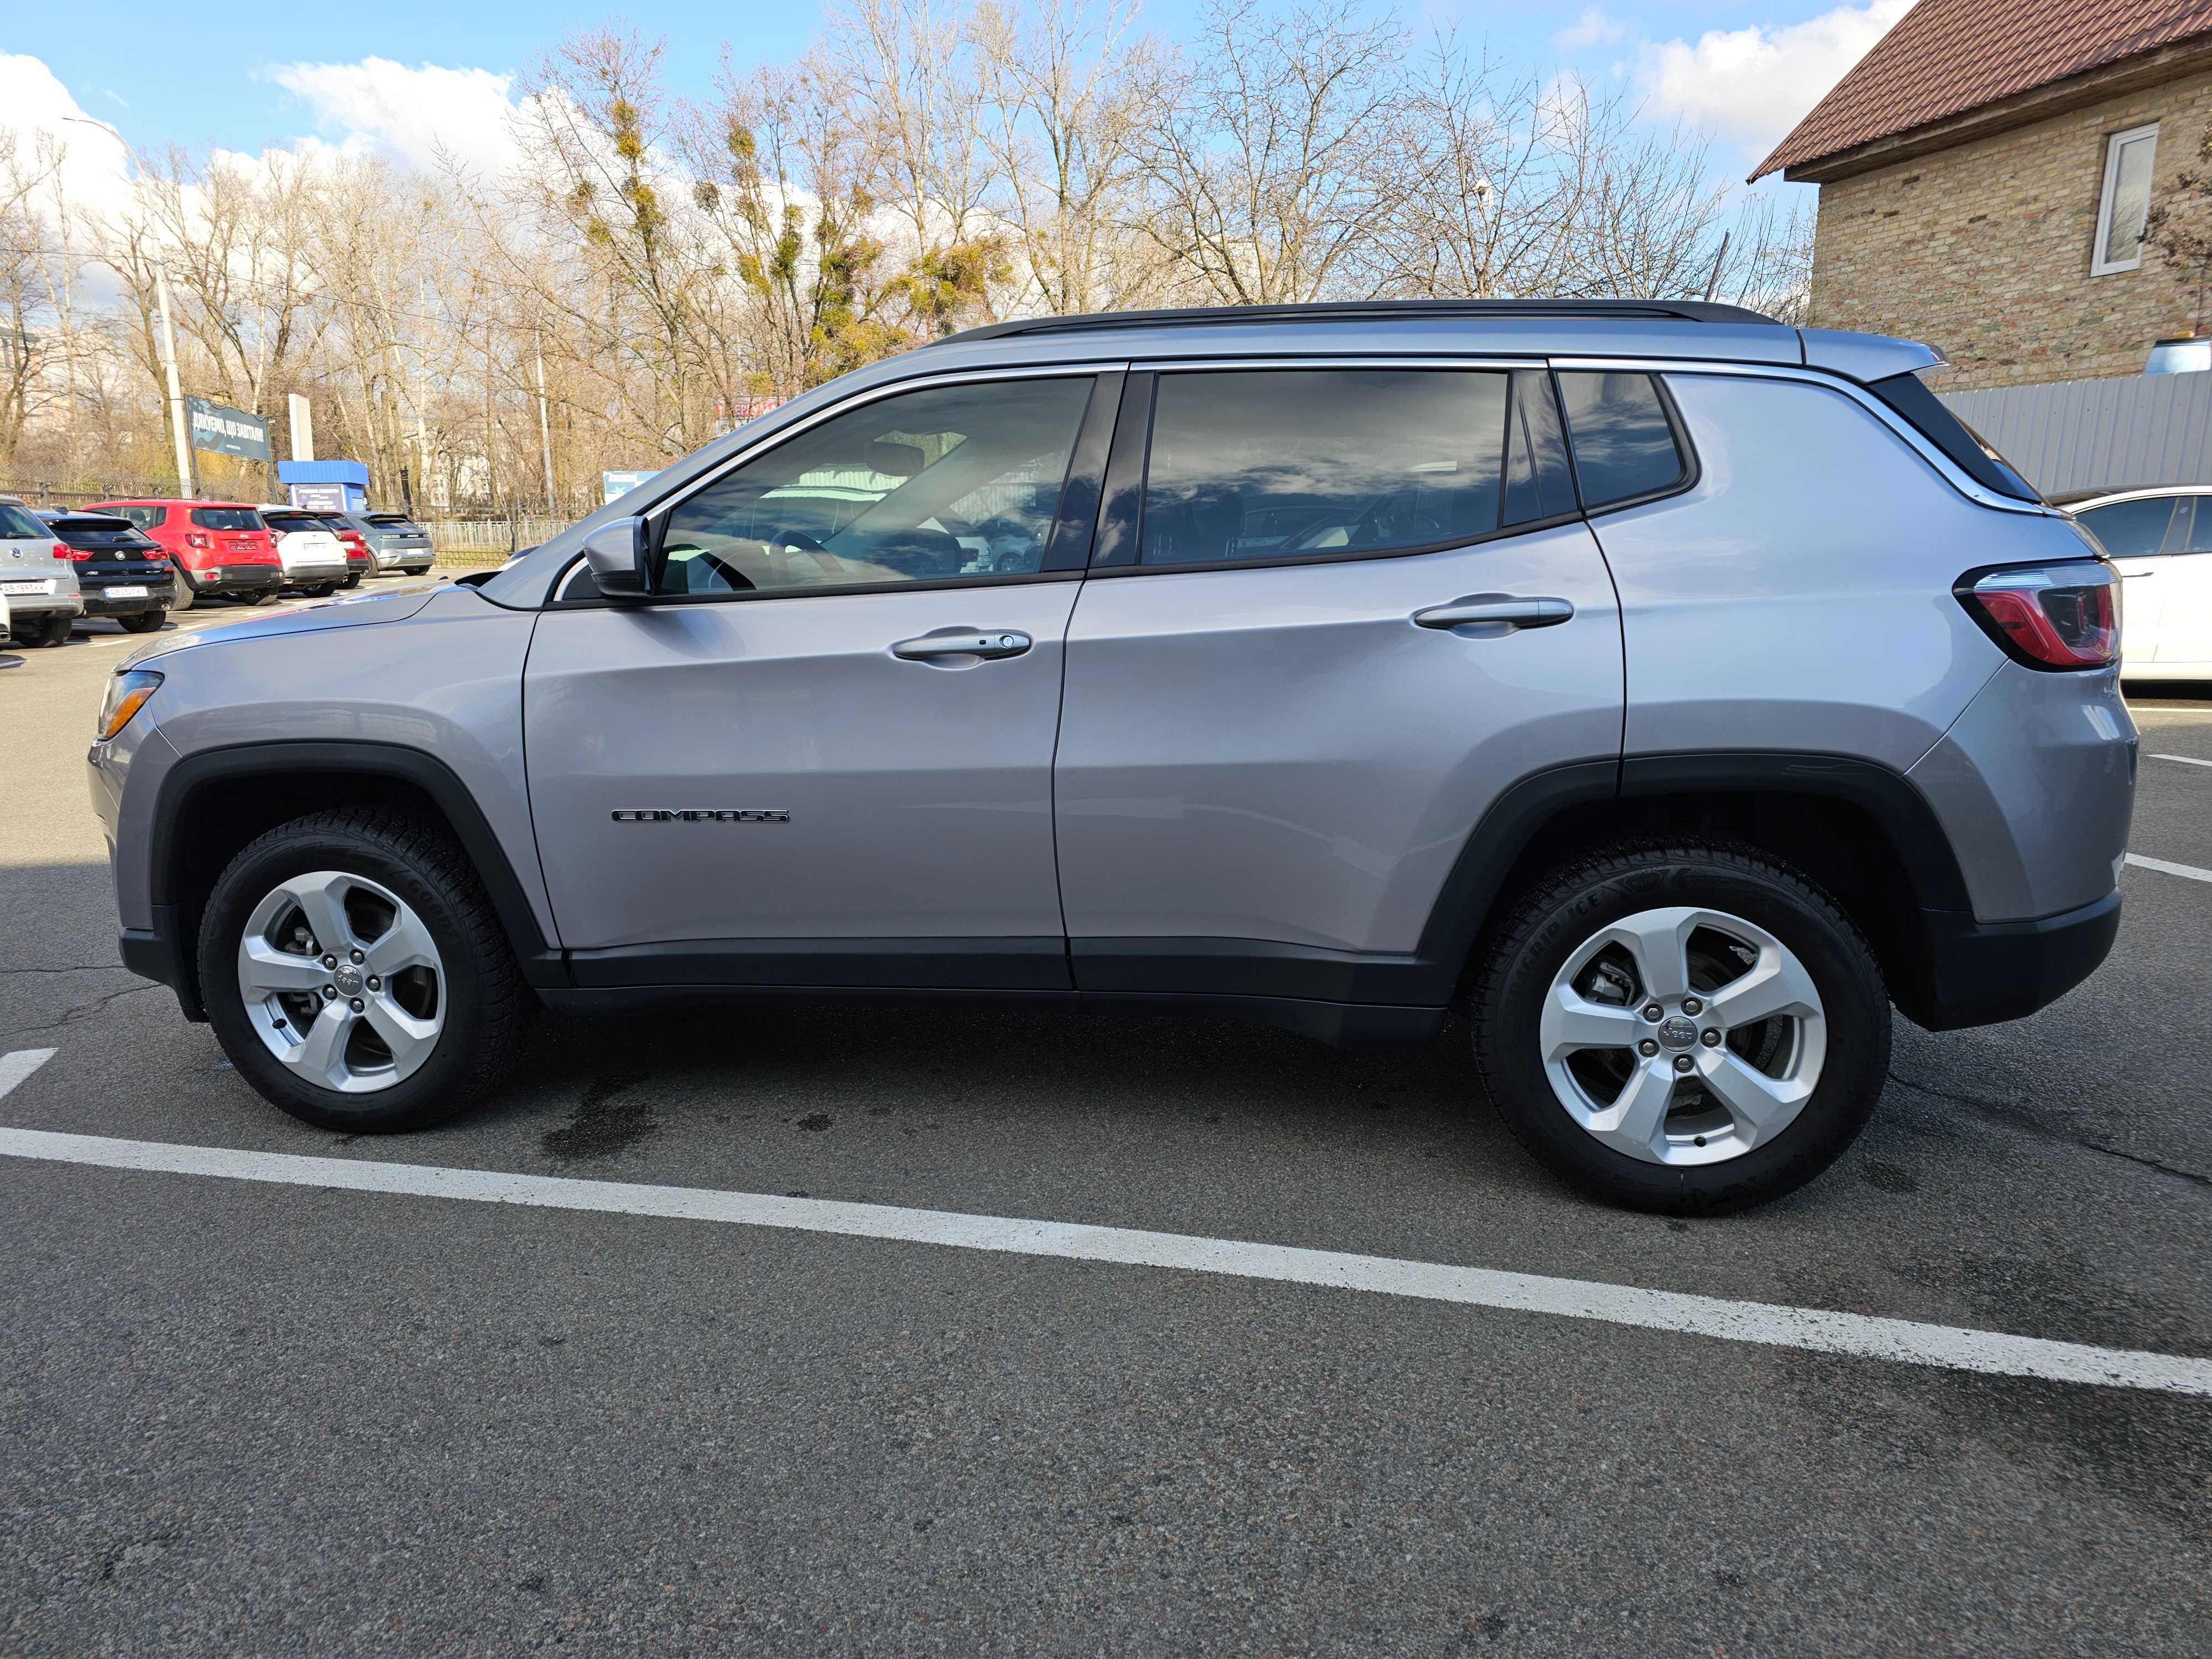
(2171, 868)
(1813, 1329)
(2183, 760)
(15, 1067)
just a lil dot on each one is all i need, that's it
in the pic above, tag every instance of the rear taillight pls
(77, 555)
(193, 538)
(2054, 616)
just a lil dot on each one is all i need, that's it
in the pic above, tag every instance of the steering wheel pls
(784, 541)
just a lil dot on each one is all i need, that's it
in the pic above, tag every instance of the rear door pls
(2185, 579)
(2137, 533)
(1329, 623)
(823, 754)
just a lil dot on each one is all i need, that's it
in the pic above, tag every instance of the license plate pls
(22, 587)
(126, 593)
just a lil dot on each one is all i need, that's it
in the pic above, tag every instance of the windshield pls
(17, 524)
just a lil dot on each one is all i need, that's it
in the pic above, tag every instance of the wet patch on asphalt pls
(610, 1118)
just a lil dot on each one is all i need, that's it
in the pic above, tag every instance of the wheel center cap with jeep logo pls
(1677, 1031)
(348, 980)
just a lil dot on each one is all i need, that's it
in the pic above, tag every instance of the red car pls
(217, 547)
(360, 561)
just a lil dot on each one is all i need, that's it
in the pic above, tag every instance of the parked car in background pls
(360, 561)
(38, 574)
(5, 635)
(217, 548)
(120, 570)
(2162, 541)
(313, 558)
(398, 543)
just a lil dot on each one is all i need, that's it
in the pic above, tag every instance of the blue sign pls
(616, 486)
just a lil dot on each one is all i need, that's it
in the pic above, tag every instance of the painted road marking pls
(2171, 869)
(2183, 760)
(1813, 1329)
(15, 1067)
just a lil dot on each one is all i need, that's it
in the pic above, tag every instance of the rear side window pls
(146, 518)
(1625, 445)
(1538, 484)
(227, 517)
(1271, 463)
(2133, 529)
(1924, 411)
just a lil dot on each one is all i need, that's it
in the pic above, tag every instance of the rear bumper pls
(1979, 973)
(236, 578)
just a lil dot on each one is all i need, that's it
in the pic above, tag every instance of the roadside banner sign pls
(619, 484)
(221, 430)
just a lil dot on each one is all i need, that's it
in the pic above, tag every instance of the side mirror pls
(616, 554)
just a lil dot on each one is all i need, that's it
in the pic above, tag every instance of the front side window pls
(227, 517)
(1273, 464)
(952, 482)
(1624, 444)
(2130, 530)
(2125, 202)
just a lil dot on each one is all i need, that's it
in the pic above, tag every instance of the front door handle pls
(1506, 608)
(988, 644)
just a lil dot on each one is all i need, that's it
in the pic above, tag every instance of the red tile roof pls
(1947, 57)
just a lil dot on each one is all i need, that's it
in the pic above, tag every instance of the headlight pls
(126, 694)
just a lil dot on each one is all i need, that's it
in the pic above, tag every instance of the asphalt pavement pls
(241, 1417)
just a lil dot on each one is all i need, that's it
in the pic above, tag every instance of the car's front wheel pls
(356, 974)
(1682, 1028)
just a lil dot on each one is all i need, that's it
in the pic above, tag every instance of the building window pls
(2125, 201)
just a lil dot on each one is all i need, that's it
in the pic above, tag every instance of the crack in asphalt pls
(82, 1012)
(2005, 1112)
(80, 967)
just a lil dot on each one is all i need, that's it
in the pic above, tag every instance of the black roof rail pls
(1359, 311)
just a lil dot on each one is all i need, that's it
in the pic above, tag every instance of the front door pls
(823, 754)
(1331, 626)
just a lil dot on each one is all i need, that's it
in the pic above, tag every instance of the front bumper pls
(1979, 973)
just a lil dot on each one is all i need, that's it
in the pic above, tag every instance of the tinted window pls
(1538, 484)
(98, 530)
(1972, 455)
(16, 524)
(955, 480)
(2130, 529)
(227, 517)
(392, 521)
(1270, 463)
(285, 523)
(146, 518)
(2192, 526)
(1624, 443)
(331, 522)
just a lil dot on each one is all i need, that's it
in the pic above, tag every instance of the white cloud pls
(95, 159)
(1592, 28)
(415, 114)
(1753, 84)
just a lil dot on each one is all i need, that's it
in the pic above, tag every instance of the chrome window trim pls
(1944, 467)
(1462, 361)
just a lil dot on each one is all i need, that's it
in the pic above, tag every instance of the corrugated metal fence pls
(2080, 437)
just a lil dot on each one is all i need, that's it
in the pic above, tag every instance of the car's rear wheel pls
(320, 591)
(143, 621)
(1682, 1028)
(187, 595)
(54, 631)
(356, 973)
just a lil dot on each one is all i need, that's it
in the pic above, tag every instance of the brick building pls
(1983, 175)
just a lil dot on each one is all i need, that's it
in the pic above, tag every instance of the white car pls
(313, 558)
(2161, 540)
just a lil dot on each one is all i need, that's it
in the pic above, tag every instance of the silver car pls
(38, 577)
(1673, 691)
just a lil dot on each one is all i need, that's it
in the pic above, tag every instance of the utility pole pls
(544, 427)
(1713, 282)
(176, 396)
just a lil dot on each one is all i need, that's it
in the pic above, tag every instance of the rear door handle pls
(1513, 611)
(989, 644)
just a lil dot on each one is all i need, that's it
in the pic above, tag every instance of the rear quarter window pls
(1624, 443)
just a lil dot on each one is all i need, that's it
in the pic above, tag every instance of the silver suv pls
(38, 576)
(1671, 689)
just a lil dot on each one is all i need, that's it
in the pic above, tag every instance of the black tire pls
(186, 596)
(353, 580)
(54, 632)
(484, 996)
(321, 591)
(259, 596)
(1521, 958)
(143, 621)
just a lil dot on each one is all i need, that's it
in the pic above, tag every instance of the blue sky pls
(253, 78)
